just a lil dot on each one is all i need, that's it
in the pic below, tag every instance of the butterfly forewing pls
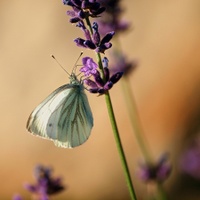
(64, 117)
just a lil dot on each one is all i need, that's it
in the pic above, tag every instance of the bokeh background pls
(163, 38)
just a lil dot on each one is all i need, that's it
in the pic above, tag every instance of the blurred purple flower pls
(45, 184)
(122, 64)
(190, 160)
(111, 20)
(17, 197)
(98, 85)
(158, 172)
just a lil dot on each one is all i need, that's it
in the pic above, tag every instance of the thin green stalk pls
(119, 147)
(138, 131)
(161, 193)
(89, 25)
(135, 121)
(118, 140)
(114, 126)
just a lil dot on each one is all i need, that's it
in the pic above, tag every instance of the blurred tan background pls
(165, 41)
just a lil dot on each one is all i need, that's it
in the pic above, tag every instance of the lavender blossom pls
(122, 64)
(83, 9)
(45, 184)
(94, 43)
(190, 160)
(157, 172)
(111, 20)
(89, 66)
(98, 85)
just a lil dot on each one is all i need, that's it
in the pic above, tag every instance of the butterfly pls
(64, 117)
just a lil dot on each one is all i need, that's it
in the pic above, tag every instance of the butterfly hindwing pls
(75, 121)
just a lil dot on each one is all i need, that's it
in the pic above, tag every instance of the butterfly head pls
(73, 79)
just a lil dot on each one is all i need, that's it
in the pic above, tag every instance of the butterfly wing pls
(64, 117)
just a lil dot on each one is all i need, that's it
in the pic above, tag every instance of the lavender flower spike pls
(99, 85)
(45, 184)
(157, 172)
(83, 9)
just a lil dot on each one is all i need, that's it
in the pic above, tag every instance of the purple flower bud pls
(95, 26)
(74, 20)
(94, 90)
(81, 25)
(76, 2)
(87, 34)
(86, 4)
(96, 35)
(84, 8)
(71, 13)
(108, 85)
(103, 47)
(105, 62)
(107, 37)
(98, 79)
(67, 2)
(101, 91)
(106, 73)
(91, 83)
(96, 38)
(115, 78)
(80, 42)
(81, 14)
(89, 44)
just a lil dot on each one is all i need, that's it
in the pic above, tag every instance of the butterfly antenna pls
(75, 65)
(59, 64)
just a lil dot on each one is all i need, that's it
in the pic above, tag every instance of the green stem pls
(117, 137)
(119, 147)
(114, 126)
(89, 25)
(136, 124)
(161, 193)
(135, 121)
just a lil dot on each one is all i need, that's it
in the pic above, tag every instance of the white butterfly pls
(64, 116)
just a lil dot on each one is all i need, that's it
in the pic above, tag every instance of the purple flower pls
(45, 184)
(83, 9)
(89, 66)
(122, 64)
(111, 20)
(190, 160)
(17, 197)
(94, 43)
(99, 85)
(157, 172)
